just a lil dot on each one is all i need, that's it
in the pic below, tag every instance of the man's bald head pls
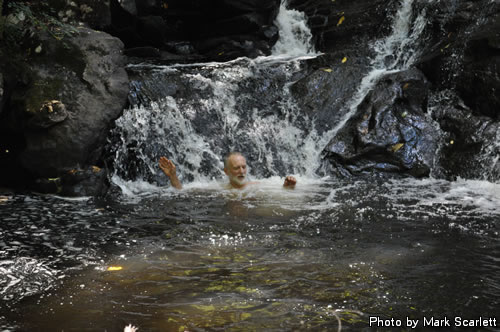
(229, 157)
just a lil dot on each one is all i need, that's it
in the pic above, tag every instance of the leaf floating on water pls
(344, 59)
(397, 147)
(406, 86)
(341, 20)
(96, 169)
(404, 114)
(115, 268)
(221, 53)
(328, 70)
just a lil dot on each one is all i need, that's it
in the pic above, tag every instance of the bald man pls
(235, 167)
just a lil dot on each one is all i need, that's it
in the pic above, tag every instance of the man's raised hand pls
(168, 167)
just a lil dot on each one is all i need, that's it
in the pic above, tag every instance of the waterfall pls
(295, 35)
(244, 105)
(213, 108)
(394, 53)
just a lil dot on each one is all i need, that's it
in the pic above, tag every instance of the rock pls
(51, 113)
(129, 6)
(389, 132)
(152, 30)
(89, 78)
(91, 181)
(143, 52)
(328, 85)
(462, 52)
(471, 146)
(218, 30)
(339, 25)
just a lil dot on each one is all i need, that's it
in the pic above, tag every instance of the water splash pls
(295, 36)
(242, 105)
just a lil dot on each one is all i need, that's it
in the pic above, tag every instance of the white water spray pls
(247, 106)
(295, 36)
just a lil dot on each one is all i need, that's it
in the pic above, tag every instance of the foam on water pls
(25, 276)
(476, 196)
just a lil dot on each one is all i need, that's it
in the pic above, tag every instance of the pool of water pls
(326, 254)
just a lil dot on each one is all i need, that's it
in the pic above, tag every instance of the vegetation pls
(25, 19)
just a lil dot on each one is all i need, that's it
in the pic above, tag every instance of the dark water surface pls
(206, 259)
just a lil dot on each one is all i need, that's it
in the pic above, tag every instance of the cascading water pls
(263, 258)
(243, 105)
(394, 53)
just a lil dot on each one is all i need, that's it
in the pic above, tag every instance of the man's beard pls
(237, 180)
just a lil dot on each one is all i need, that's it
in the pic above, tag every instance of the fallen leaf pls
(406, 86)
(328, 70)
(404, 114)
(96, 169)
(344, 59)
(397, 147)
(341, 20)
(115, 268)
(221, 53)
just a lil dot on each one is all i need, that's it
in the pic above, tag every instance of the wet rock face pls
(343, 24)
(390, 131)
(72, 93)
(215, 30)
(463, 52)
(326, 86)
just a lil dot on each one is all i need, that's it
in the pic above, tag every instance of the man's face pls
(236, 170)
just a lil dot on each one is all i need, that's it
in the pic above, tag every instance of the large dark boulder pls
(389, 132)
(217, 30)
(71, 92)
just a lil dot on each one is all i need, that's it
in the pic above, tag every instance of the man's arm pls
(290, 182)
(168, 168)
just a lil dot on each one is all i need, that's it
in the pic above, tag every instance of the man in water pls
(235, 167)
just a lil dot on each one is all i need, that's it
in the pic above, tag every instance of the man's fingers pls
(290, 181)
